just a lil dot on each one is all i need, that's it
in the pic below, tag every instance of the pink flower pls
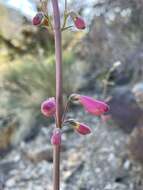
(82, 128)
(79, 23)
(91, 105)
(38, 18)
(56, 137)
(48, 107)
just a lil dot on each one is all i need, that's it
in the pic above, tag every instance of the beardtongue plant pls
(54, 106)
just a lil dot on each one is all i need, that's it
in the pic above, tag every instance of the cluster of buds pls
(43, 19)
(92, 106)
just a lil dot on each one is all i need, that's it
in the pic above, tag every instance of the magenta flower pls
(91, 105)
(56, 137)
(81, 128)
(38, 18)
(48, 107)
(79, 23)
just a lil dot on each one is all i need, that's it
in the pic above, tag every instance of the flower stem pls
(66, 6)
(56, 167)
(65, 16)
(59, 95)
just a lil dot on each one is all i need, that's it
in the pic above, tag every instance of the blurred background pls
(104, 61)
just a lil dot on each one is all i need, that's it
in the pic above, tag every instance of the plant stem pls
(65, 16)
(59, 95)
(56, 167)
(66, 6)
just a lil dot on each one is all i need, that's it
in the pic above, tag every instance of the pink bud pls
(82, 128)
(56, 137)
(91, 105)
(37, 20)
(79, 23)
(48, 107)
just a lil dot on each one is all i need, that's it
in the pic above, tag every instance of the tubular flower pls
(82, 128)
(38, 18)
(56, 137)
(48, 107)
(91, 105)
(78, 21)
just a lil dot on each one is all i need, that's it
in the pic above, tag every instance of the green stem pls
(66, 6)
(65, 15)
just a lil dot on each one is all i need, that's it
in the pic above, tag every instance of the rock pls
(36, 156)
(115, 186)
(3, 179)
(6, 167)
(124, 109)
(138, 92)
(127, 165)
(10, 183)
(135, 145)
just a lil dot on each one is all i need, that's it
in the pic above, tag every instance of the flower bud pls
(38, 18)
(78, 21)
(82, 128)
(79, 127)
(48, 107)
(56, 137)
